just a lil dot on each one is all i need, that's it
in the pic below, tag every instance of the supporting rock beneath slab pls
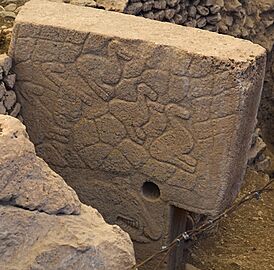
(41, 239)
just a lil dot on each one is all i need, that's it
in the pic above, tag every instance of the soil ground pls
(244, 240)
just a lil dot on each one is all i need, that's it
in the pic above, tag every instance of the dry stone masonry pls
(8, 100)
(41, 239)
(144, 119)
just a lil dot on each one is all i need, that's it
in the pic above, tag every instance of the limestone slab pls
(138, 116)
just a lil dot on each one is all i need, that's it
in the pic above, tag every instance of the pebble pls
(210, 27)
(134, 8)
(192, 11)
(9, 99)
(2, 108)
(7, 14)
(20, 118)
(220, 3)
(178, 19)
(172, 3)
(147, 6)
(9, 80)
(215, 9)
(228, 20)
(213, 19)
(149, 15)
(201, 22)
(159, 16)
(7, 30)
(5, 63)
(191, 23)
(260, 213)
(2, 90)
(16, 110)
(160, 4)
(204, 11)
(18, 10)
(169, 13)
(11, 7)
(196, 2)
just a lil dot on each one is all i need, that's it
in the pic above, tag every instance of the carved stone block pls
(141, 118)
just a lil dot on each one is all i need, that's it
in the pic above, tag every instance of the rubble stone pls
(9, 80)
(5, 63)
(26, 180)
(41, 239)
(9, 99)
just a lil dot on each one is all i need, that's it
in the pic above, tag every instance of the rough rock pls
(5, 63)
(25, 179)
(42, 238)
(117, 5)
(34, 240)
(9, 80)
(9, 99)
(2, 108)
(2, 90)
(11, 7)
(256, 149)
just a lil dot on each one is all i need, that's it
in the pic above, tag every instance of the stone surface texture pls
(113, 5)
(34, 240)
(26, 180)
(41, 239)
(119, 104)
(8, 99)
(251, 20)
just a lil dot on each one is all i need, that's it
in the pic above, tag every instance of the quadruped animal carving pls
(139, 117)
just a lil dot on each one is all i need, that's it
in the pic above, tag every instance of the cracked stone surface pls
(35, 240)
(26, 180)
(59, 232)
(137, 114)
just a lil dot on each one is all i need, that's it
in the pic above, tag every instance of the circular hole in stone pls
(151, 191)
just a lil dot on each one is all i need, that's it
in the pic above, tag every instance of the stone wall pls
(8, 100)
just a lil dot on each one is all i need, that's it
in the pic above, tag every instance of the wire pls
(192, 234)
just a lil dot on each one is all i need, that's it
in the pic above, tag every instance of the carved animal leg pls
(186, 162)
(147, 91)
(175, 110)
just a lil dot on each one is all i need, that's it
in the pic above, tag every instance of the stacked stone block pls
(8, 100)
(203, 14)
